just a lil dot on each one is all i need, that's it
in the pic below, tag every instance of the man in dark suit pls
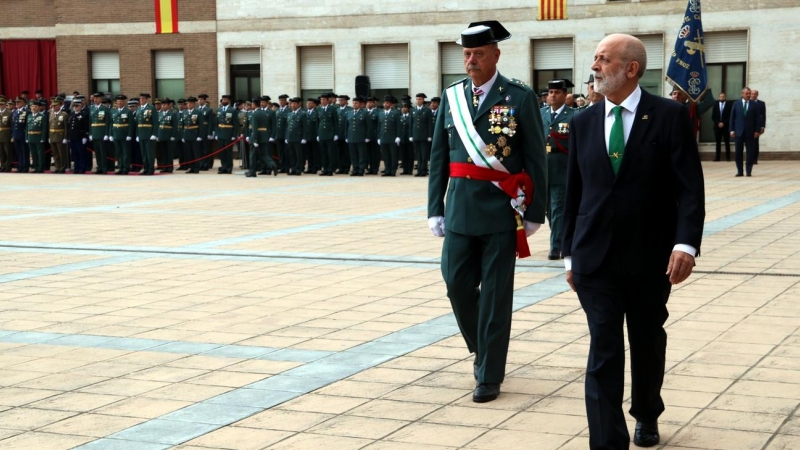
(762, 120)
(485, 168)
(721, 115)
(744, 126)
(634, 210)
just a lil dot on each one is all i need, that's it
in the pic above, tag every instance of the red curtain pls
(29, 65)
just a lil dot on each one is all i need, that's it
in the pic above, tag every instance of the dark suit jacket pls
(726, 114)
(630, 223)
(744, 125)
(762, 114)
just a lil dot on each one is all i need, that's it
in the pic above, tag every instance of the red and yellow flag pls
(552, 9)
(166, 16)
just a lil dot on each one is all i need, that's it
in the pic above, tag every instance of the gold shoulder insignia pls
(519, 83)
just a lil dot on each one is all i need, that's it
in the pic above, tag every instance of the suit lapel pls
(641, 122)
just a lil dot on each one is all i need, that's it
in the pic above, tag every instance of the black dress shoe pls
(340, 172)
(646, 434)
(183, 168)
(716, 159)
(485, 392)
(739, 175)
(748, 175)
(249, 175)
(554, 255)
(119, 172)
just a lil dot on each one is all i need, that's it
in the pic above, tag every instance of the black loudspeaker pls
(363, 88)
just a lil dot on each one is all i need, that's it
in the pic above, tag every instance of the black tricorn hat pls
(483, 33)
(311, 99)
(228, 96)
(421, 95)
(191, 99)
(560, 84)
(263, 98)
(591, 79)
(203, 96)
(283, 96)
(436, 99)
(344, 96)
(120, 97)
(359, 99)
(144, 95)
(389, 98)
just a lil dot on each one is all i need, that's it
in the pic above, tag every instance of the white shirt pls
(486, 87)
(558, 111)
(629, 106)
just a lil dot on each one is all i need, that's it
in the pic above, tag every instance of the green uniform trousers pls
(37, 155)
(122, 152)
(555, 214)
(479, 274)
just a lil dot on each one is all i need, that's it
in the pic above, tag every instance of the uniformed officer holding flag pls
(488, 146)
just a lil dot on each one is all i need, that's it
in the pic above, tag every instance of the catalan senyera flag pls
(552, 9)
(166, 16)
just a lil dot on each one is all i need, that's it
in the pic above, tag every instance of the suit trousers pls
(60, 155)
(359, 157)
(422, 150)
(6, 156)
(343, 151)
(611, 300)
(122, 152)
(742, 143)
(555, 214)
(328, 151)
(23, 155)
(78, 155)
(757, 148)
(407, 156)
(389, 152)
(722, 134)
(479, 274)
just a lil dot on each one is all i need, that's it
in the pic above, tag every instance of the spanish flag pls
(166, 16)
(552, 9)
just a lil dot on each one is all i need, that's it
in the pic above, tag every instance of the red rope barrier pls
(184, 163)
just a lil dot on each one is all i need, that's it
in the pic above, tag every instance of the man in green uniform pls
(193, 129)
(555, 119)
(58, 135)
(327, 133)
(344, 148)
(121, 134)
(284, 157)
(100, 131)
(227, 132)
(245, 129)
(36, 134)
(357, 129)
(310, 148)
(296, 123)
(488, 130)
(373, 149)
(421, 134)
(167, 130)
(181, 149)
(6, 148)
(262, 123)
(146, 119)
(208, 126)
(389, 135)
(406, 148)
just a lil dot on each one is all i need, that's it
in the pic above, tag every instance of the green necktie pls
(616, 142)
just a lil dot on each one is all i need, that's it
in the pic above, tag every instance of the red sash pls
(559, 136)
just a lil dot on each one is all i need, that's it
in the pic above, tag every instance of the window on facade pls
(726, 67)
(169, 74)
(387, 67)
(653, 79)
(245, 73)
(552, 60)
(105, 73)
(316, 70)
(452, 60)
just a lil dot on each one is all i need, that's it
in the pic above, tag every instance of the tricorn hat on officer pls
(191, 99)
(483, 33)
(265, 98)
(144, 95)
(344, 96)
(120, 97)
(359, 99)
(560, 84)
(284, 96)
(436, 99)
(228, 96)
(591, 79)
(421, 95)
(203, 96)
(157, 101)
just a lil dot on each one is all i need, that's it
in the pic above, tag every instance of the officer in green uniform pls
(406, 150)
(327, 133)
(208, 126)
(344, 148)
(389, 135)
(36, 134)
(181, 149)
(555, 119)
(284, 157)
(57, 135)
(310, 148)
(357, 129)
(193, 129)
(262, 123)
(502, 140)
(146, 122)
(373, 149)
(167, 136)
(100, 131)
(296, 123)
(122, 124)
(245, 127)
(227, 132)
(6, 148)
(421, 134)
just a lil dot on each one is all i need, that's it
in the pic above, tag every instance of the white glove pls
(530, 228)
(397, 141)
(255, 145)
(172, 139)
(366, 140)
(183, 140)
(199, 139)
(346, 141)
(317, 138)
(65, 141)
(411, 139)
(233, 139)
(137, 138)
(285, 141)
(153, 138)
(83, 141)
(302, 141)
(27, 141)
(90, 138)
(379, 142)
(110, 138)
(247, 139)
(210, 137)
(105, 138)
(436, 224)
(128, 138)
(272, 139)
(336, 137)
(429, 139)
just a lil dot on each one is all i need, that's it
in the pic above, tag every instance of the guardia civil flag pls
(687, 64)
(166, 16)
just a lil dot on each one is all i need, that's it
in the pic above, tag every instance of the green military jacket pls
(5, 125)
(405, 126)
(312, 122)
(101, 121)
(422, 125)
(208, 120)
(343, 113)
(167, 125)
(146, 122)
(477, 207)
(248, 117)
(372, 124)
(327, 122)
(122, 124)
(36, 131)
(58, 126)
(227, 124)
(388, 125)
(296, 123)
(262, 125)
(179, 127)
(556, 135)
(192, 125)
(357, 126)
(244, 122)
(280, 122)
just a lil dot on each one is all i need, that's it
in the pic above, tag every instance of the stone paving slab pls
(301, 312)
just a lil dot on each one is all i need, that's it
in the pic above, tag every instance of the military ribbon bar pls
(166, 16)
(552, 9)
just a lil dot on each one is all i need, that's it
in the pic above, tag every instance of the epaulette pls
(519, 83)
(458, 82)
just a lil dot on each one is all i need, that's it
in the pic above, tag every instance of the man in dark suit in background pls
(762, 120)
(634, 211)
(721, 115)
(744, 126)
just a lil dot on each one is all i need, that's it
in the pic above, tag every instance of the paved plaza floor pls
(210, 311)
